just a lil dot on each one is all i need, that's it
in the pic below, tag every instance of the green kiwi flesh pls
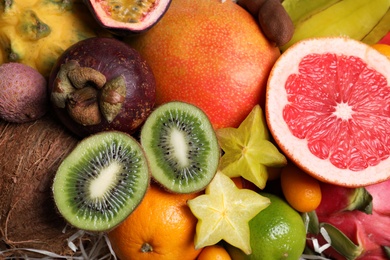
(181, 146)
(101, 181)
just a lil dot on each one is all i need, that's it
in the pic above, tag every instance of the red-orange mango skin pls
(211, 54)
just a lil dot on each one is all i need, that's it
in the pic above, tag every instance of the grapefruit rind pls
(276, 98)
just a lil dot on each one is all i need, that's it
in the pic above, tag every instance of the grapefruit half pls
(328, 109)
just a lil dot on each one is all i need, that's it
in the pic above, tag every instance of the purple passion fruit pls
(127, 17)
(101, 84)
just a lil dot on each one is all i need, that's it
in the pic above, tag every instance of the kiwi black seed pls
(101, 181)
(181, 147)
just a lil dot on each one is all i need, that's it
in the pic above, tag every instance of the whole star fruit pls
(224, 212)
(248, 150)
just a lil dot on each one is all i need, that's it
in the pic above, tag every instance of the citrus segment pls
(223, 213)
(327, 106)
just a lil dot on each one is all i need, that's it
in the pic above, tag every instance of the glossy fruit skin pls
(112, 58)
(122, 28)
(214, 252)
(337, 199)
(277, 232)
(301, 190)
(217, 57)
(162, 223)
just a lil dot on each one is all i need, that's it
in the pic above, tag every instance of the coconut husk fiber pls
(30, 154)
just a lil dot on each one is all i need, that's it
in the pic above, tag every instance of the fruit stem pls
(146, 248)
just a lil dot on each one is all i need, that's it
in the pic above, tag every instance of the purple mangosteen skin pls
(112, 58)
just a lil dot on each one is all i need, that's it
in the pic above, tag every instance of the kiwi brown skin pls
(29, 156)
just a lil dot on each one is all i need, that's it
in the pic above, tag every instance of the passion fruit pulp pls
(127, 17)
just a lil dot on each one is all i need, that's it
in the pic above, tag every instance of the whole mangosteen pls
(101, 84)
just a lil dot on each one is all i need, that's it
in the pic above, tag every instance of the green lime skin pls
(276, 233)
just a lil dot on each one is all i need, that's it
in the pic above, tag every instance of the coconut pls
(29, 156)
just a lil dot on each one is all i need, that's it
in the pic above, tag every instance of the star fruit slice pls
(223, 213)
(248, 151)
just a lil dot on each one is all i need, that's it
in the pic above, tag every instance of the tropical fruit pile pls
(207, 129)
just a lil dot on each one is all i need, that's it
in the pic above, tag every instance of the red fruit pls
(367, 230)
(385, 39)
(212, 54)
(338, 198)
(327, 107)
(381, 193)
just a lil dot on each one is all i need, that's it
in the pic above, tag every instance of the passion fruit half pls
(127, 17)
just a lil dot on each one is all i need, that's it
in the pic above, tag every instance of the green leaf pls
(341, 243)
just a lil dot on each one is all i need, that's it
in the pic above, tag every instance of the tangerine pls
(162, 227)
(302, 191)
(327, 108)
(214, 252)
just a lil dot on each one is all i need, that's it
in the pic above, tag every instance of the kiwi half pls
(101, 181)
(181, 146)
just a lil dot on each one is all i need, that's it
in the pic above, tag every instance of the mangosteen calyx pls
(87, 95)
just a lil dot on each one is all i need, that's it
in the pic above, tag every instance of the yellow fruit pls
(35, 33)
(277, 232)
(210, 53)
(223, 213)
(162, 227)
(248, 151)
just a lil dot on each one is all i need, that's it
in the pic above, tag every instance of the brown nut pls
(273, 19)
(275, 22)
(252, 6)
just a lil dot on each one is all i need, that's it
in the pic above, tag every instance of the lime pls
(277, 232)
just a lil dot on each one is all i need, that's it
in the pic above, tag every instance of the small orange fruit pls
(214, 252)
(162, 227)
(382, 48)
(301, 190)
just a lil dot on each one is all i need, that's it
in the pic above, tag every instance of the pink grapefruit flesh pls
(328, 108)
